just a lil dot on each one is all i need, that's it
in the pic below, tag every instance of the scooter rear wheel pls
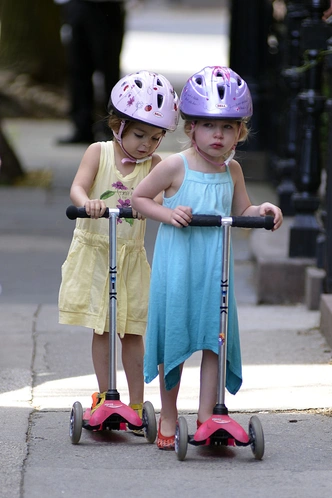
(181, 438)
(76, 422)
(256, 437)
(149, 421)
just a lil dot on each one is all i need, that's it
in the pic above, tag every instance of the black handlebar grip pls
(253, 222)
(74, 212)
(125, 212)
(205, 220)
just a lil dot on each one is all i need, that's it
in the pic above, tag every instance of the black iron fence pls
(286, 58)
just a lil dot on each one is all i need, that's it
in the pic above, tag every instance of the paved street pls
(45, 367)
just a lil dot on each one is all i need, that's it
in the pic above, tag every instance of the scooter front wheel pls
(256, 436)
(76, 422)
(181, 438)
(149, 421)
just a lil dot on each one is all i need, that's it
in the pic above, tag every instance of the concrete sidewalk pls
(286, 363)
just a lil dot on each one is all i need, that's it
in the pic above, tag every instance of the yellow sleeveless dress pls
(84, 290)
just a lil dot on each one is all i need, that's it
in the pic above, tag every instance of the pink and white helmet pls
(215, 92)
(147, 97)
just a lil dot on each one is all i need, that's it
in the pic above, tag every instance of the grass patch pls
(40, 178)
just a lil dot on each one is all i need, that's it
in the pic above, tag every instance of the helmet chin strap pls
(131, 159)
(215, 163)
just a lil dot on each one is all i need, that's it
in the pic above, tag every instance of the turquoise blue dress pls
(184, 303)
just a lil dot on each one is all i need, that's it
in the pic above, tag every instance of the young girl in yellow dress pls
(143, 106)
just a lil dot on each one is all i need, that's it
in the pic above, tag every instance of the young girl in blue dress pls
(185, 289)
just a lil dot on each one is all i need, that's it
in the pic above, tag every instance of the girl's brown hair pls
(114, 122)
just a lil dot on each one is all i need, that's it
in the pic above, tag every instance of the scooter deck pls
(220, 429)
(112, 415)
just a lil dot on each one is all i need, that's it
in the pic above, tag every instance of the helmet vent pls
(159, 83)
(199, 81)
(221, 91)
(160, 100)
(138, 83)
(239, 82)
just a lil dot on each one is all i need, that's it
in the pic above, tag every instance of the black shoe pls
(76, 138)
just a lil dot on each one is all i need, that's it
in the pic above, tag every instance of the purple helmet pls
(215, 92)
(146, 97)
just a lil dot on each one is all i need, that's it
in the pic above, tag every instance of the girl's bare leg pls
(100, 359)
(208, 388)
(169, 412)
(132, 360)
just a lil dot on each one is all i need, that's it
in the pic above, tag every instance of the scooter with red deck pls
(220, 428)
(112, 414)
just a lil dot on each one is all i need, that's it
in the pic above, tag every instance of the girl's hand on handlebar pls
(95, 208)
(137, 215)
(181, 216)
(267, 209)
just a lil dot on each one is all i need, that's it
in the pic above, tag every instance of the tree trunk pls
(10, 167)
(30, 39)
(29, 44)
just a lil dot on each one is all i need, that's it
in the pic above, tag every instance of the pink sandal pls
(165, 442)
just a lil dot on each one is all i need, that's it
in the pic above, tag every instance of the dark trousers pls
(92, 33)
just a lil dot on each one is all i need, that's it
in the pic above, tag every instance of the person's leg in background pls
(106, 39)
(76, 16)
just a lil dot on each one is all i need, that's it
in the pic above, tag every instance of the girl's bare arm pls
(162, 178)
(83, 182)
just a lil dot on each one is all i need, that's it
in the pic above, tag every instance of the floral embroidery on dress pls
(124, 198)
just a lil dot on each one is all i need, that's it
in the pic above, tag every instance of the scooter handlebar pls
(234, 221)
(206, 220)
(74, 212)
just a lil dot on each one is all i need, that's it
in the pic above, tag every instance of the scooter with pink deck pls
(112, 414)
(220, 428)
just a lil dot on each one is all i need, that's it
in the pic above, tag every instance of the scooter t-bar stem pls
(74, 212)
(208, 220)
